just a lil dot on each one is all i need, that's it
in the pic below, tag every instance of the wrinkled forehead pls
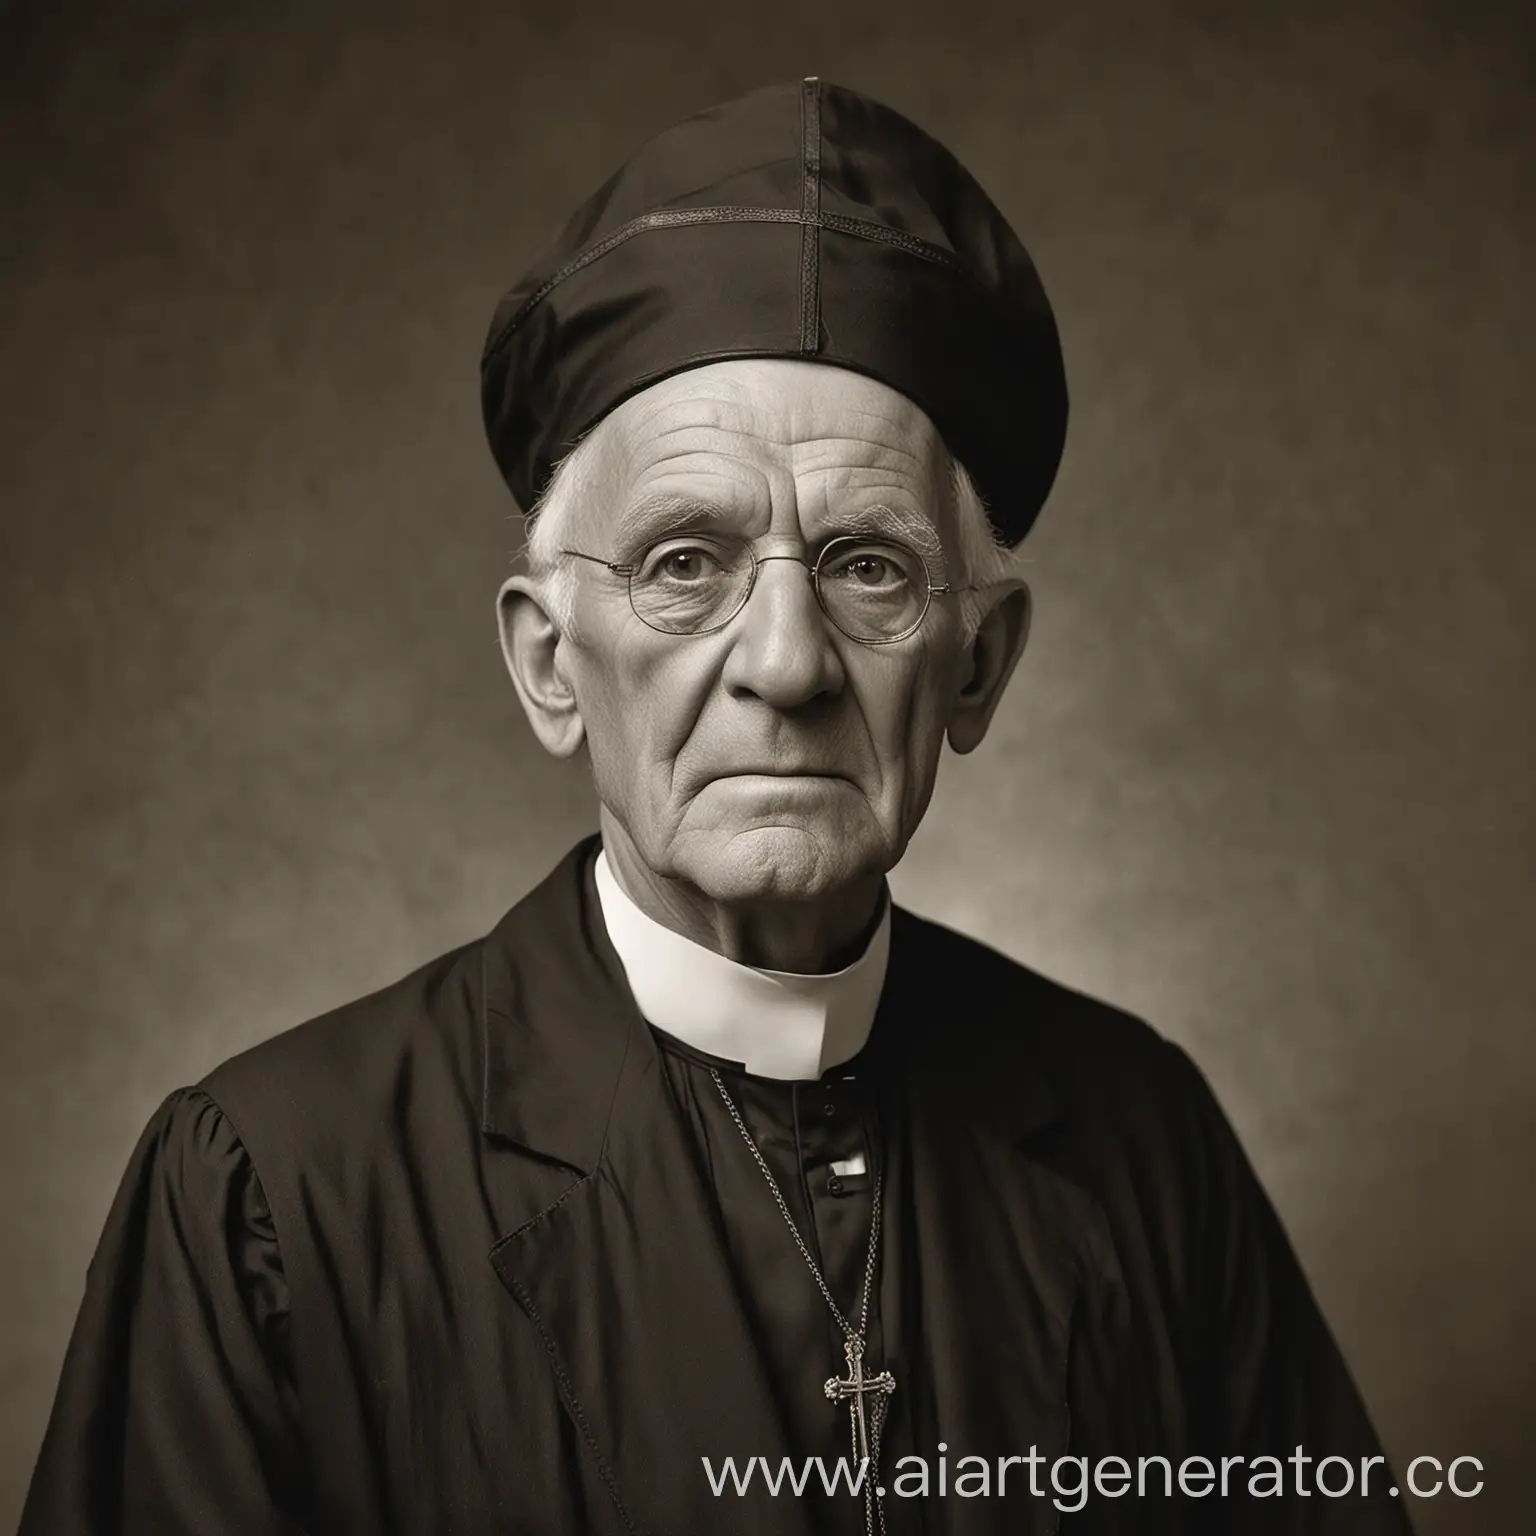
(754, 441)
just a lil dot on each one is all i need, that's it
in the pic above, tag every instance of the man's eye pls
(686, 564)
(871, 570)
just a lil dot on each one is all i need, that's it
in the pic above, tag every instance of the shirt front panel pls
(822, 1141)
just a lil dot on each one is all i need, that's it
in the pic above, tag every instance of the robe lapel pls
(611, 1247)
(998, 1252)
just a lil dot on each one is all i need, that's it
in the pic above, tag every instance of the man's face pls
(774, 759)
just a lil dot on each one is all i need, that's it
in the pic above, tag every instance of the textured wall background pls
(1265, 775)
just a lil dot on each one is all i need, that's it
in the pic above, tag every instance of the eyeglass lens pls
(871, 589)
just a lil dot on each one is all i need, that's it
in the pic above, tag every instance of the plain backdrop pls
(1264, 775)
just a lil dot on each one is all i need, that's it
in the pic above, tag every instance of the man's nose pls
(783, 652)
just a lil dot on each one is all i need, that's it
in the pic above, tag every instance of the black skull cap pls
(801, 221)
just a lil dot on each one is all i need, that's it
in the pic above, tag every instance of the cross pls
(853, 1389)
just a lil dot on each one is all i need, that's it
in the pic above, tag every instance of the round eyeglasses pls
(875, 591)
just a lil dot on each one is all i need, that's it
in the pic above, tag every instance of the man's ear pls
(994, 653)
(530, 644)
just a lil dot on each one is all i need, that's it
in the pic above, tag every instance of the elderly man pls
(710, 1192)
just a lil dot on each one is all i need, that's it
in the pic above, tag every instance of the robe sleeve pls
(1271, 1378)
(176, 1411)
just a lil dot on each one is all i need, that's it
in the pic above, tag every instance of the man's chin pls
(779, 861)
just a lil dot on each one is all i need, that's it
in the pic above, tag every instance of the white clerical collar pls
(775, 1023)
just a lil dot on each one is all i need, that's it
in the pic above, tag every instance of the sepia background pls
(1265, 775)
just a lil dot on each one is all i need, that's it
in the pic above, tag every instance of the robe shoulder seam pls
(196, 1090)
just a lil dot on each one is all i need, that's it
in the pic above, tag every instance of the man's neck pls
(808, 938)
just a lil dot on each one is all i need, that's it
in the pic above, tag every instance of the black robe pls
(508, 1302)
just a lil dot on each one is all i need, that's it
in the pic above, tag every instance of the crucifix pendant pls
(867, 1399)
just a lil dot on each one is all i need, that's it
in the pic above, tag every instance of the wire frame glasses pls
(875, 591)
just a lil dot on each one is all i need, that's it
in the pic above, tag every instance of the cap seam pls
(671, 218)
(810, 206)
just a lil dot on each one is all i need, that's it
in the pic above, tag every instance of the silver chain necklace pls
(867, 1397)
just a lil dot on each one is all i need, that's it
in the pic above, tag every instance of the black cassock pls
(484, 1253)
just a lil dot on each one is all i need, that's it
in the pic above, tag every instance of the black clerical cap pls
(802, 221)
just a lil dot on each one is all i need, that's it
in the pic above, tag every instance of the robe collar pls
(774, 1023)
(559, 1022)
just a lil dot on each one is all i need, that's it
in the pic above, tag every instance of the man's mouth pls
(778, 773)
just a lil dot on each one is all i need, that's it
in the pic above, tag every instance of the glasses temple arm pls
(619, 568)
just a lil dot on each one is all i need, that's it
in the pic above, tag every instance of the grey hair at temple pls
(979, 560)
